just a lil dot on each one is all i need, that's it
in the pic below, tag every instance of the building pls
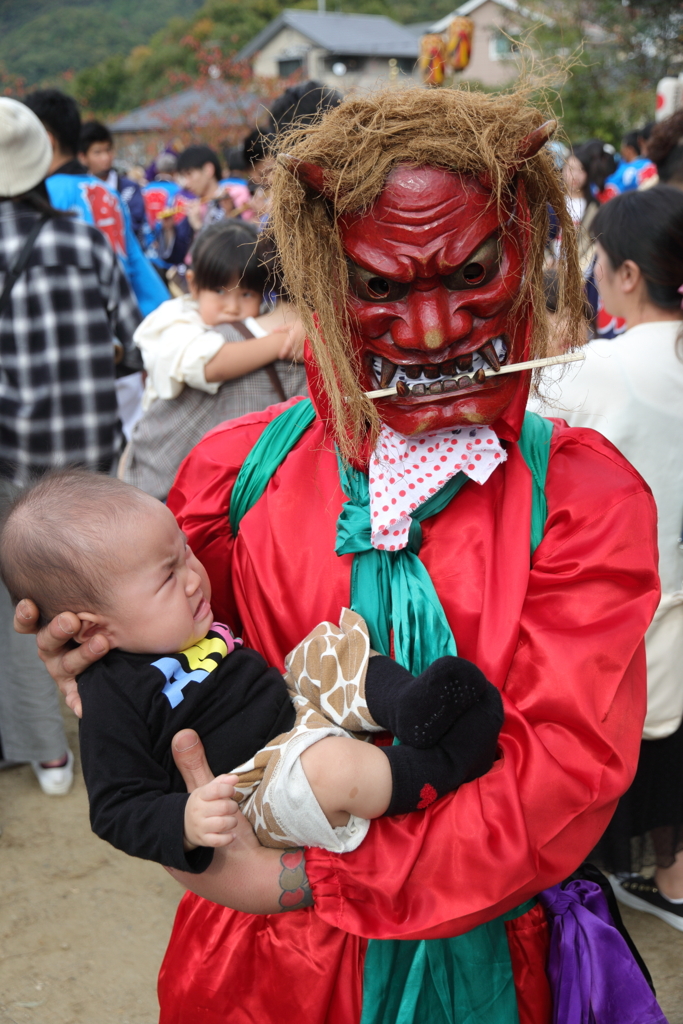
(342, 50)
(216, 112)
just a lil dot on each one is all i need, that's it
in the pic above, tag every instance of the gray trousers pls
(31, 727)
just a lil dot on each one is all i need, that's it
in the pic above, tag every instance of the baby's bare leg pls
(348, 777)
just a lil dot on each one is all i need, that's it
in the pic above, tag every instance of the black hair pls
(646, 131)
(54, 534)
(230, 250)
(39, 200)
(646, 227)
(303, 104)
(92, 132)
(195, 157)
(586, 191)
(257, 146)
(598, 160)
(670, 170)
(234, 158)
(630, 140)
(551, 294)
(665, 148)
(59, 113)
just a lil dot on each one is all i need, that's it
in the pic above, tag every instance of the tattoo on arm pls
(295, 889)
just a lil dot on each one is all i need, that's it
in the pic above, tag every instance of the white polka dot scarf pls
(405, 471)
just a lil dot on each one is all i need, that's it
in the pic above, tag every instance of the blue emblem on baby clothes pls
(197, 662)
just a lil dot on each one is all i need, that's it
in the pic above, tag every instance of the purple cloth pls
(593, 976)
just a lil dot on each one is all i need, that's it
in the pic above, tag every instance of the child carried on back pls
(212, 355)
(91, 544)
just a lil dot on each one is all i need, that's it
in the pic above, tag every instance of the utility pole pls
(321, 6)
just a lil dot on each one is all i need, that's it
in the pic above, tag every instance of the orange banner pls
(432, 59)
(459, 43)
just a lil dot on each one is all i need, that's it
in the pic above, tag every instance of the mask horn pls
(531, 143)
(307, 173)
(528, 147)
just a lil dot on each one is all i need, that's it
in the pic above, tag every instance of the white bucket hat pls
(25, 148)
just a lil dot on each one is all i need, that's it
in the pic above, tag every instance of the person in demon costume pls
(411, 227)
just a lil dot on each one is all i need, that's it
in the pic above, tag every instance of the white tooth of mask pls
(478, 363)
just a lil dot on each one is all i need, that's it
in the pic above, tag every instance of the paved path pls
(83, 928)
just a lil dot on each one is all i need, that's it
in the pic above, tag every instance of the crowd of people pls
(630, 389)
(163, 332)
(628, 213)
(594, 173)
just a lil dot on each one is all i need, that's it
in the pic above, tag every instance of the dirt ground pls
(83, 928)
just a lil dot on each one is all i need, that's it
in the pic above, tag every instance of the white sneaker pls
(55, 781)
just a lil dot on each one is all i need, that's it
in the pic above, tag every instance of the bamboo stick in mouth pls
(464, 380)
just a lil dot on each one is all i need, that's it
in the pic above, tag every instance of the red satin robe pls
(562, 641)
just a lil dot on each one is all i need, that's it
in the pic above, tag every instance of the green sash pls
(467, 979)
(392, 589)
(271, 449)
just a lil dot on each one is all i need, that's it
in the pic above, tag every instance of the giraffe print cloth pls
(325, 676)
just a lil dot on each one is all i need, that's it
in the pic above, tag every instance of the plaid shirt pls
(57, 396)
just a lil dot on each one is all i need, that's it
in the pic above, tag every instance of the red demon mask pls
(435, 271)
(433, 279)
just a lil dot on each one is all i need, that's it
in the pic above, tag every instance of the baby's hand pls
(210, 814)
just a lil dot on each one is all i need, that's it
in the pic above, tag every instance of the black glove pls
(465, 752)
(419, 710)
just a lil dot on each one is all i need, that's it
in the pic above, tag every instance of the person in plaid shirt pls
(57, 346)
(58, 333)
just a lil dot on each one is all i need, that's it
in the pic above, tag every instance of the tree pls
(232, 87)
(11, 85)
(619, 50)
(42, 39)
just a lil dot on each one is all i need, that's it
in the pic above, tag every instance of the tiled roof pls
(194, 107)
(344, 34)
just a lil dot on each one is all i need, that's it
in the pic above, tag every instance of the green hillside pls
(42, 39)
(122, 82)
(124, 52)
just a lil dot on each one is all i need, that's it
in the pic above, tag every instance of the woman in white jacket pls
(630, 388)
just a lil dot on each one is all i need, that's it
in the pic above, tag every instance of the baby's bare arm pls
(237, 358)
(348, 777)
(285, 316)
